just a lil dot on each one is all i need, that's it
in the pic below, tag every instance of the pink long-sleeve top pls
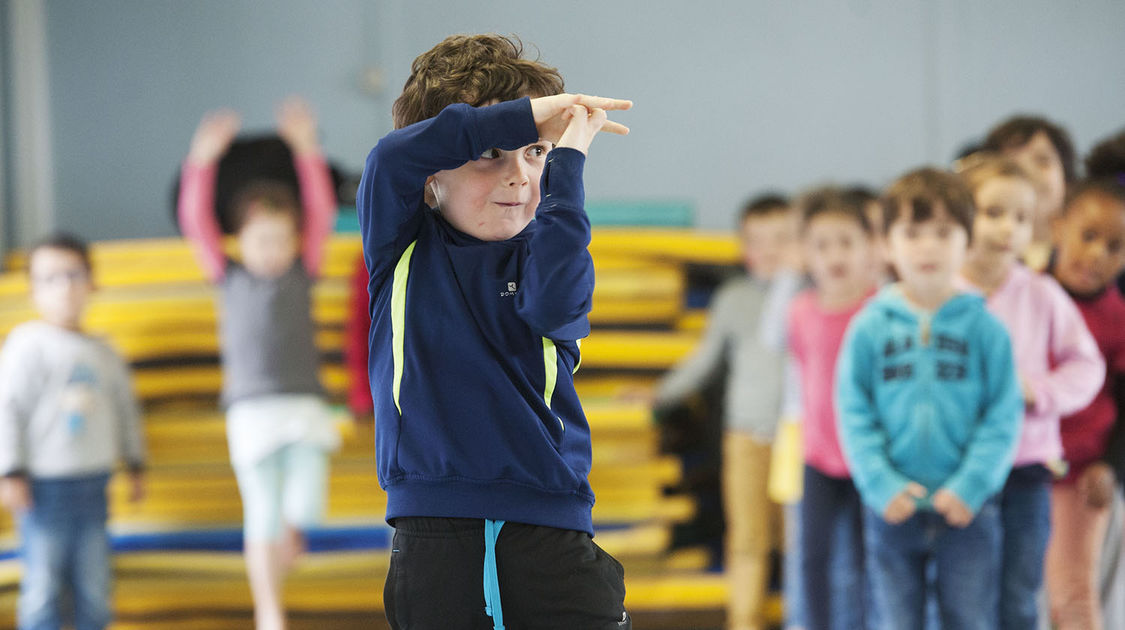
(199, 224)
(815, 337)
(1055, 355)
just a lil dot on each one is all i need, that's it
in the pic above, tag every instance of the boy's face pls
(1040, 159)
(269, 242)
(1091, 243)
(60, 286)
(927, 254)
(1003, 224)
(493, 197)
(767, 242)
(838, 253)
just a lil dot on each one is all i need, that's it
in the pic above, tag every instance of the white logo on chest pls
(512, 289)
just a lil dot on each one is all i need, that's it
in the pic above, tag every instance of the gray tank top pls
(267, 333)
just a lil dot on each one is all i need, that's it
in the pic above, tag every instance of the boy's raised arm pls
(987, 461)
(557, 285)
(864, 441)
(557, 282)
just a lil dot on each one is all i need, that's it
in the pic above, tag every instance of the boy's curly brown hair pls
(473, 69)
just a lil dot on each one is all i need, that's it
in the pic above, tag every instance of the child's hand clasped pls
(572, 120)
(904, 504)
(949, 505)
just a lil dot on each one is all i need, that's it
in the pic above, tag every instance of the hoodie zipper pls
(927, 364)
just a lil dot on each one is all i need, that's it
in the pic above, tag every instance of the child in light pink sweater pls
(1060, 368)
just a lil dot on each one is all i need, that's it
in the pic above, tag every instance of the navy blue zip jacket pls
(474, 343)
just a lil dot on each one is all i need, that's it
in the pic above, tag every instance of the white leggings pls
(289, 485)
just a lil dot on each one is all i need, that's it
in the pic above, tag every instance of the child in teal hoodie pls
(929, 409)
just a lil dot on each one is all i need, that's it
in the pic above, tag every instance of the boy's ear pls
(428, 193)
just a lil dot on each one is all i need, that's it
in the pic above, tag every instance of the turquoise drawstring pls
(491, 581)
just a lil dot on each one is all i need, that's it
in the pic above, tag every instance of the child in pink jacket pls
(1058, 362)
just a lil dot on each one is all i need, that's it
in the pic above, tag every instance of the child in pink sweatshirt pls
(1058, 363)
(839, 249)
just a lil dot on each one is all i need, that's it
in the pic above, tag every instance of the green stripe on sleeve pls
(398, 318)
(551, 368)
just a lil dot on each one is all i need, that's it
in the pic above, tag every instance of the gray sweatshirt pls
(67, 406)
(740, 329)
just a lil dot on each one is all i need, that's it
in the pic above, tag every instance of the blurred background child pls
(1090, 241)
(840, 253)
(1045, 151)
(356, 351)
(1107, 161)
(753, 402)
(279, 430)
(67, 414)
(928, 408)
(1058, 362)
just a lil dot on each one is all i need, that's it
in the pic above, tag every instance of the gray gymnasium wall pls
(731, 97)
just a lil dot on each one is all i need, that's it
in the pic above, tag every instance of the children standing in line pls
(67, 414)
(929, 408)
(1045, 152)
(475, 237)
(752, 407)
(1090, 237)
(1059, 366)
(840, 255)
(279, 429)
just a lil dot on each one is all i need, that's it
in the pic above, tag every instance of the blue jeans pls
(1025, 512)
(65, 549)
(966, 569)
(835, 585)
(791, 570)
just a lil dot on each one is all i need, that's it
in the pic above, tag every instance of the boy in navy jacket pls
(475, 239)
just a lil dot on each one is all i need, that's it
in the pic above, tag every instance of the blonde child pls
(278, 428)
(1046, 153)
(1058, 362)
(1090, 241)
(67, 414)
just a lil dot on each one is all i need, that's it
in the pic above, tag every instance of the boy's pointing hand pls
(555, 114)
